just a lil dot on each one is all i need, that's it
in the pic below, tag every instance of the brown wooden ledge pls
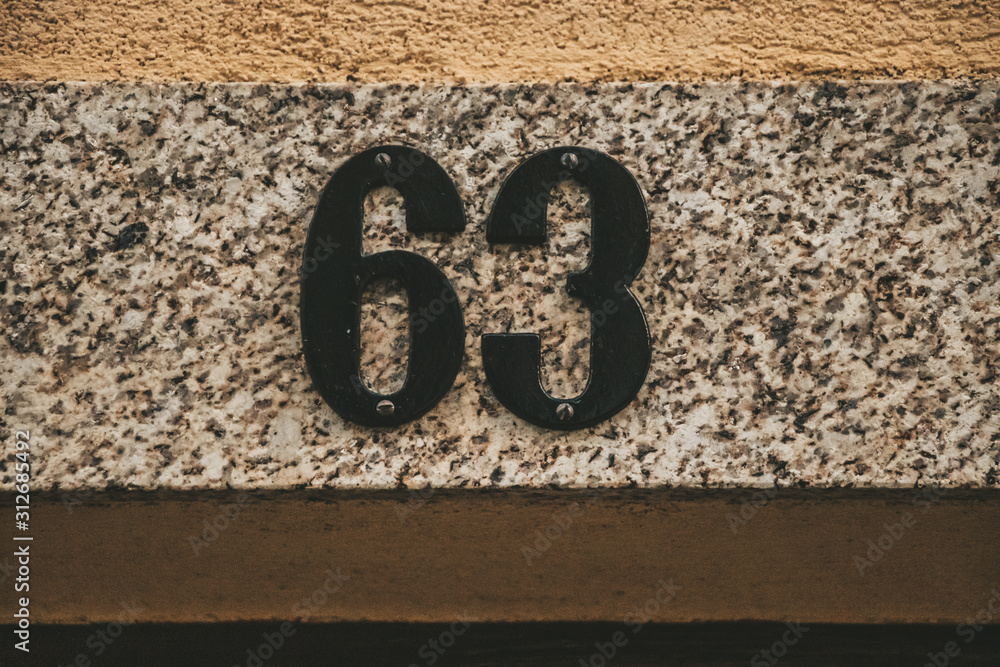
(485, 556)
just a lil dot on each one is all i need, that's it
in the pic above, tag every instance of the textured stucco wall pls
(415, 40)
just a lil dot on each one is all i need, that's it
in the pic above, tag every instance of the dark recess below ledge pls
(712, 644)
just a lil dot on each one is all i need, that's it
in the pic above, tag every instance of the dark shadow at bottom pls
(277, 644)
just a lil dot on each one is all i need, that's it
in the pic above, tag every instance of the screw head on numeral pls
(570, 160)
(564, 412)
(385, 408)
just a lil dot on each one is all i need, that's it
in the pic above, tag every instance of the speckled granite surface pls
(823, 287)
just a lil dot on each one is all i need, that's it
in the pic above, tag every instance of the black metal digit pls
(335, 274)
(619, 337)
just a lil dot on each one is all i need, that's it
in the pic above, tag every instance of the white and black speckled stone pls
(823, 287)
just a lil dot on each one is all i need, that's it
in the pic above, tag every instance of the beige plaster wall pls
(495, 40)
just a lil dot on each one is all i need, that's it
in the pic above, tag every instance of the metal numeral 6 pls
(332, 289)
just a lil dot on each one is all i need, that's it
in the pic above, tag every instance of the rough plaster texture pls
(428, 40)
(822, 286)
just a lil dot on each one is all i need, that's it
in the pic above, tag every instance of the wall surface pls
(435, 40)
(822, 290)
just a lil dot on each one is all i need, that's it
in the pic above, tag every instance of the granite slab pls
(822, 289)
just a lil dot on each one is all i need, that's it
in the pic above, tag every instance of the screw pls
(385, 408)
(564, 412)
(383, 160)
(569, 160)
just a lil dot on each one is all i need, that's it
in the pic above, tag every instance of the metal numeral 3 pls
(619, 342)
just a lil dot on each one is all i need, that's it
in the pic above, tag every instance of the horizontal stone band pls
(822, 289)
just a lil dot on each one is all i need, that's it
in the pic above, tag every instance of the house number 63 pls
(332, 289)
